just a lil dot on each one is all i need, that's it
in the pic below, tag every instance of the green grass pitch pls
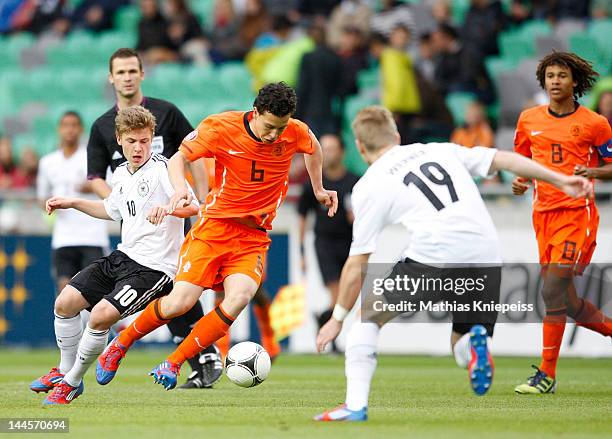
(416, 397)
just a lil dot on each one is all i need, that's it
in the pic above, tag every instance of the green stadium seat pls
(459, 9)
(515, 47)
(368, 79)
(126, 19)
(235, 79)
(600, 31)
(204, 10)
(586, 46)
(457, 103)
(534, 28)
(11, 48)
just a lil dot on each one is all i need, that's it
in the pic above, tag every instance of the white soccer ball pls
(247, 364)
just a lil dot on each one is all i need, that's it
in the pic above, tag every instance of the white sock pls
(463, 351)
(91, 346)
(360, 363)
(68, 332)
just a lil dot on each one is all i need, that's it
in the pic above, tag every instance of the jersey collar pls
(246, 119)
(559, 116)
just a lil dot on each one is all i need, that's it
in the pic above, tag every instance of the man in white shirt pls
(78, 239)
(140, 270)
(430, 191)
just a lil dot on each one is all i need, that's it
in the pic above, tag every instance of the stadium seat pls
(457, 103)
(11, 48)
(235, 79)
(535, 28)
(126, 19)
(368, 79)
(514, 46)
(459, 9)
(586, 46)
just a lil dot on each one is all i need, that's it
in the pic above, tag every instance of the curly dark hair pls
(582, 70)
(276, 98)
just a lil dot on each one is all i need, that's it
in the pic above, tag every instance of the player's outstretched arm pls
(350, 285)
(573, 185)
(176, 171)
(93, 208)
(314, 166)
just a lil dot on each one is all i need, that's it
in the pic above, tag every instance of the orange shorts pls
(567, 236)
(215, 248)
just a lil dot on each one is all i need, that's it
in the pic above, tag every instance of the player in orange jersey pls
(227, 247)
(568, 138)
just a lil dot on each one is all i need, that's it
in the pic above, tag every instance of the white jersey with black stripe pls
(132, 198)
(429, 189)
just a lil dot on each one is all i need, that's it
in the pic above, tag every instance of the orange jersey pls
(251, 177)
(560, 143)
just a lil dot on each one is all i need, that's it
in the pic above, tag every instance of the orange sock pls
(149, 320)
(224, 344)
(592, 318)
(553, 328)
(208, 330)
(262, 315)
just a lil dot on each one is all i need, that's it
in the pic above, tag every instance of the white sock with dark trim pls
(91, 346)
(68, 332)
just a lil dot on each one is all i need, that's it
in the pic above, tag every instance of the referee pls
(103, 151)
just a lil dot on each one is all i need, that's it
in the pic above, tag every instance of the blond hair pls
(134, 118)
(375, 128)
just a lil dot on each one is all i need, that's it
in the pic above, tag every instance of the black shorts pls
(127, 285)
(331, 255)
(463, 320)
(68, 261)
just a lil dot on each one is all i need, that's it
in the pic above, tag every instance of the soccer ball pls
(247, 364)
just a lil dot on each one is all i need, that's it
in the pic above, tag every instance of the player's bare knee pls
(103, 316)
(65, 304)
(237, 300)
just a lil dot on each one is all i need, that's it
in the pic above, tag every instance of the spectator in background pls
(185, 32)
(11, 175)
(280, 28)
(28, 164)
(483, 23)
(348, 13)
(96, 15)
(78, 239)
(392, 14)
(354, 58)
(459, 67)
(226, 44)
(255, 22)
(477, 131)
(400, 92)
(317, 7)
(37, 16)
(425, 60)
(318, 84)
(154, 43)
(333, 235)
(441, 12)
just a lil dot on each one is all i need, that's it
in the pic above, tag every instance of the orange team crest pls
(575, 130)
(279, 148)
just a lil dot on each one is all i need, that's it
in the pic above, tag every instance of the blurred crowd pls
(416, 51)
